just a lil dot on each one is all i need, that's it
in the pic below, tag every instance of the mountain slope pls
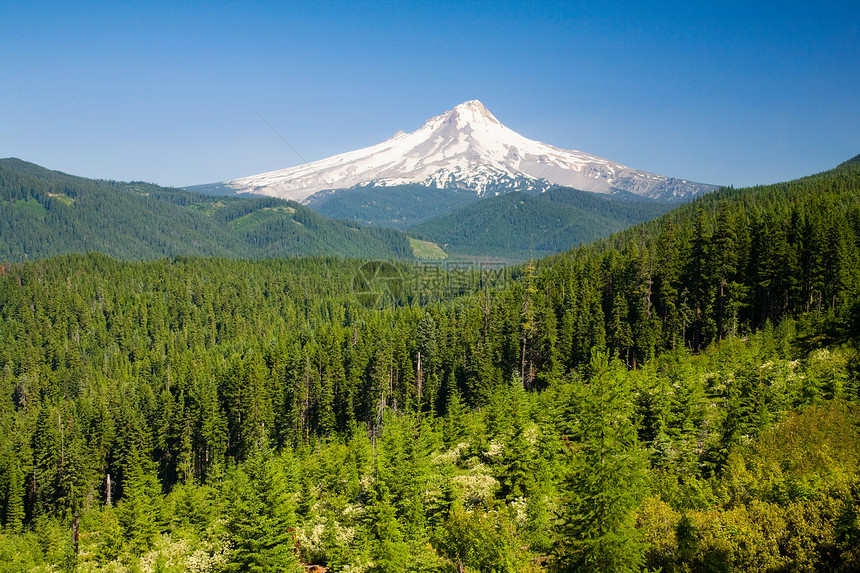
(519, 226)
(731, 262)
(45, 213)
(788, 203)
(398, 206)
(465, 148)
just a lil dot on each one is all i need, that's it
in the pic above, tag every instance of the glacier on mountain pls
(466, 148)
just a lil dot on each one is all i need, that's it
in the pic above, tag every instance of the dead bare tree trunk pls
(75, 532)
(419, 376)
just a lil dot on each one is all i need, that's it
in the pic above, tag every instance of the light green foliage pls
(22, 553)
(261, 515)
(790, 500)
(32, 207)
(261, 216)
(608, 478)
(482, 540)
(389, 552)
(139, 510)
(427, 250)
(107, 537)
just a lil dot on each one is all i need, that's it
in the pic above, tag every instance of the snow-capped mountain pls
(465, 148)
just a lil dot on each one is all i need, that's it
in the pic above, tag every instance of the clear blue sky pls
(719, 92)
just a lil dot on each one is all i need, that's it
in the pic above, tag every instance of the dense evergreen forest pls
(517, 226)
(397, 206)
(513, 226)
(45, 213)
(684, 396)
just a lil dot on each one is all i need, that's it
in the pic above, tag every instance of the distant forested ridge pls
(518, 226)
(683, 396)
(396, 206)
(513, 226)
(44, 213)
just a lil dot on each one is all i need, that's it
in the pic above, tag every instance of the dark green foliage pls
(396, 207)
(728, 263)
(517, 226)
(45, 213)
(649, 401)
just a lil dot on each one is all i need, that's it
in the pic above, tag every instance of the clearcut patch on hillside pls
(427, 250)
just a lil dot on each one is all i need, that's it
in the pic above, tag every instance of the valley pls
(693, 379)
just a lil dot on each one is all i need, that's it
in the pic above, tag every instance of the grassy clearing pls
(62, 198)
(32, 207)
(427, 250)
(207, 209)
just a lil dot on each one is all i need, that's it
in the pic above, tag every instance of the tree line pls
(46, 213)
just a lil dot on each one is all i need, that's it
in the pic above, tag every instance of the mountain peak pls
(473, 105)
(469, 112)
(466, 148)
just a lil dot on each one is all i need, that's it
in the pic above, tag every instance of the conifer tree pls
(607, 480)
(15, 500)
(455, 412)
(389, 552)
(138, 511)
(260, 515)
(517, 459)
(427, 349)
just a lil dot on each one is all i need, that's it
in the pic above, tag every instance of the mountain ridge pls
(45, 212)
(518, 226)
(468, 148)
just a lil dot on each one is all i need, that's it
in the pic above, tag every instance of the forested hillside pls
(680, 397)
(731, 260)
(45, 213)
(517, 226)
(397, 206)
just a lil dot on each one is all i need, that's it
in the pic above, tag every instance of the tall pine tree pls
(607, 480)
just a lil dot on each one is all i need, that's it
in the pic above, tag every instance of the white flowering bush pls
(519, 511)
(476, 487)
(203, 562)
(532, 434)
(451, 456)
(495, 449)
(94, 567)
(318, 537)
(167, 555)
